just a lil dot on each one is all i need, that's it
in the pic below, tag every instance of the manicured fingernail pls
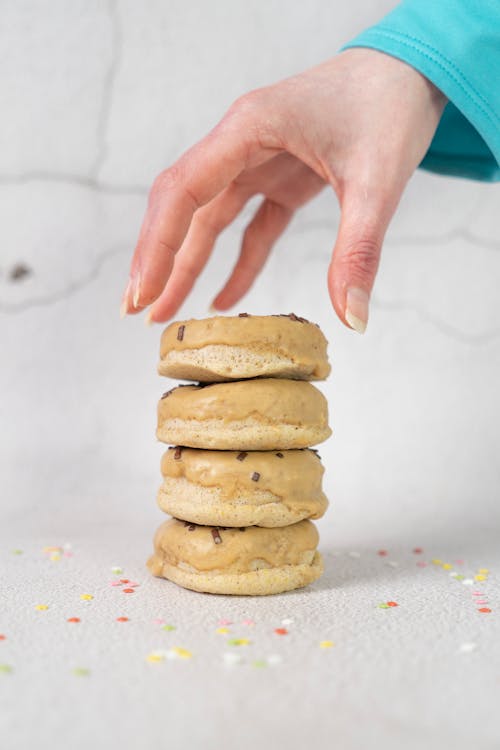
(356, 309)
(137, 289)
(124, 302)
(148, 320)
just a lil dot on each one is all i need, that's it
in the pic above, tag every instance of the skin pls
(360, 122)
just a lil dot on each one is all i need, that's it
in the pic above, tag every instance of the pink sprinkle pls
(481, 601)
(248, 622)
(225, 622)
(421, 564)
(477, 593)
(459, 562)
(133, 584)
(158, 621)
(115, 583)
(68, 554)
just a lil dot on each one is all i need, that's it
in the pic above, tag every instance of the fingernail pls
(124, 302)
(356, 309)
(213, 310)
(148, 320)
(137, 289)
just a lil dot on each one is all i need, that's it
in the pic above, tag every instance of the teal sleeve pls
(456, 45)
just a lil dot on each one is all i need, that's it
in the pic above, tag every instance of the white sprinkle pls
(467, 582)
(274, 659)
(466, 648)
(231, 657)
(354, 554)
(287, 621)
(392, 564)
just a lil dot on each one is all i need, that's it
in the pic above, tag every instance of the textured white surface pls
(98, 98)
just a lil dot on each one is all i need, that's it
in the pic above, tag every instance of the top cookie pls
(246, 346)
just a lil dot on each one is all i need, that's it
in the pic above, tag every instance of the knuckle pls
(164, 182)
(247, 106)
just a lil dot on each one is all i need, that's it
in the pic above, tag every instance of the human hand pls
(360, 122)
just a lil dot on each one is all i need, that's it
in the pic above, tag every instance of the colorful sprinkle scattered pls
(247, 622)
(466, 648)
(41, 607)
(274, 659)
(128, 591)
(480, 577)
(231, 657)
(386, 605)
(239, 642)
(155, 656)
(484, 609)
(287, 621)
(3, 637)
(81, 672)
(281, 631)
(422, 564)
(467, 581)
(418, 551)
(116, 570)
(122, 619)
(382, 553)
(259, 663)
(168, 628)
(326, 644)
(447, 566)
(225, 622)
(86, 597)
(392, 564)
(74, 619)
(181, 653)
(17, 552)
(5, 669)
(222, 631)
(485, 571)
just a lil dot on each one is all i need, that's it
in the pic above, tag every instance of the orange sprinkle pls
(122, 619)
(281, 631)
(392, 604)
(484, 609)
(128, 591)
(3, 637)
(74, 619)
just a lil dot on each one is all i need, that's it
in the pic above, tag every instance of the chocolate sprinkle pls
(279, 455)
(177, 453)
(241, 456)
(180, 333)
(243, 315)
(216, 536)
(19, 271)
(190, 526)
(255, 476)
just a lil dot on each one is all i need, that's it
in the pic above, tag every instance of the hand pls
(360, 122)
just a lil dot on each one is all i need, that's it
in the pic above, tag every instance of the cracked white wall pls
(97, 98)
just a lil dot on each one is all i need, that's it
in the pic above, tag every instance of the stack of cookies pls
(242, 481)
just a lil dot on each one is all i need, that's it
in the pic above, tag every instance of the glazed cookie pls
(252, 561)
(247, 346)
(231, 488)
(261, 414)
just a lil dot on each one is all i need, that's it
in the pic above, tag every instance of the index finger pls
(235, 144)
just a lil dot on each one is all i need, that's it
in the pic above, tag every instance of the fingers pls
(267, 225)
(237, 143)
(207, 224)
(365, 217)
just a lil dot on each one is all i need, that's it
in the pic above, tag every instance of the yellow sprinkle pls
(55, 556)
(326, 644)
(182, 652)
(447, 566)
(222, 631)
(437, 562)
(484, 570)
(41, 606)
(154, 657)
(238, 642)
(480, 577)
(86, 597)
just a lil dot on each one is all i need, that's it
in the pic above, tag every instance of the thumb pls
(364, 221)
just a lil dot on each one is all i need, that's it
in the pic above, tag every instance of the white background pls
(97, 98)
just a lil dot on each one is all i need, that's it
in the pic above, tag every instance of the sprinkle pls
(155, 656)
(216, 536)
(74, 619)
(483, 570)
(382, 553)
(255, 476)
(418, 551)
(327, 644)
(180, 333)
(437, 561)
(279, 455)
(447, 566)
(41, 607)
(122, 619)
(5, 669)
(243, 315)
(386, 605)
(231, 658)
(274, 659)
(484, 609)
(392, 564)
(180, 653)
(354, 554)
(222, 631)
(248, 622)
(117, 570)
(241, 456)
(422, 564)
(128, 591)
(17, 552)
(225, 622)
(287, 621)
(177, 453)
(458, 577)
(481, 601)
(86, 597)
(480, 577)
(238, 642)
(466, 648)
(467, 581)
(392, 604)
(168, 628)
(281, 631)
(3, 637)
(459, 562)
(81, 672)
(259, 663)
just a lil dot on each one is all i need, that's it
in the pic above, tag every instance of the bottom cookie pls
(251, 561)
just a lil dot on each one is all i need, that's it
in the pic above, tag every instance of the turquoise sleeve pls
(456, 45)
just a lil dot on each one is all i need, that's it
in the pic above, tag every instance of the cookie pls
(261, 414)
(249, 561)
(231, 488)
(247, 346)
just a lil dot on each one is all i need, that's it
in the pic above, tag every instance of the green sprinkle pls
(259, 663)
(458, 578)
(5, 669)
(168, 628)
(17, 552)
(238, 642)
(81, 672)
(383, 605)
